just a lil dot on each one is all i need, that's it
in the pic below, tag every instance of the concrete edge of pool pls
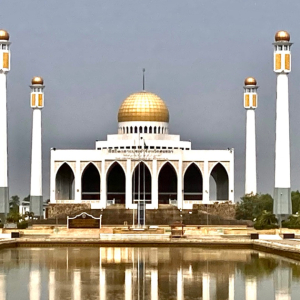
(286, 248)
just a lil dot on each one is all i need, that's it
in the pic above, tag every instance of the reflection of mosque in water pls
(143, 273)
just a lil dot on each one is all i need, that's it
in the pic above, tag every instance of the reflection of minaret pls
(250, 288)
(77, 285)
(282, 67)
(51, 285)
(180, 284)
(35, 284)
(2, 286)
(4, 69)
(37, 103)
(282, 283)
(250, 103)
(205, 286)
(231, 287)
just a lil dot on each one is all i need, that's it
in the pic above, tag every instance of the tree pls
(14, 203)
(295, 196)
(27, 199)
(252, 205)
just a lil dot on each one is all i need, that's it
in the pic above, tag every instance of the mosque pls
(143, 164)
(143, 161)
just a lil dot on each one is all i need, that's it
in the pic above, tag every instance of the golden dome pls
(250, 81)
(143, 106)
(4, 35)
(37, 80)
(282, 36)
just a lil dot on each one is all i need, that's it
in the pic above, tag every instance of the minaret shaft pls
(250, 174)
(282, 144)
(4, 206)
(36, 154)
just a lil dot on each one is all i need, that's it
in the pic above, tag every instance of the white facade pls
(159, 152)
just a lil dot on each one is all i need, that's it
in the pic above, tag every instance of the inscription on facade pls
(84, 220)
(140, 153)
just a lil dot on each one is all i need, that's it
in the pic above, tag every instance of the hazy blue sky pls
(196, 54)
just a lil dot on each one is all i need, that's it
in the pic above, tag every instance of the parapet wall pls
(63, 210)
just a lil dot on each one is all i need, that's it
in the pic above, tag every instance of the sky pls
(197, 54)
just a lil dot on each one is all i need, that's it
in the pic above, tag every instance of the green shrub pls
(22, 225)
(266, 220)
(292, 222)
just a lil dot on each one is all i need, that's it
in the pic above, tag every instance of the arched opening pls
(135, 129)
(145, 129)
(150, 129)
(131, 129)
(193, 183)
(126, 130)
(65, 183)
(154, 129)
(141, 183)
(162, 130)
(90, 183)
(167, 184)
(220, 177)
(141, 129)
(158, 130)
(116, 184)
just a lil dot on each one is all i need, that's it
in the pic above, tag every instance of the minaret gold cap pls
(250, 81)
(37, 80)
(4, 35)
(282, 36)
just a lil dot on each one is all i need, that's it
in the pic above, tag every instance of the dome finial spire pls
(144, 78)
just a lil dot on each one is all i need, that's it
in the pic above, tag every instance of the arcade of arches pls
(142, 183)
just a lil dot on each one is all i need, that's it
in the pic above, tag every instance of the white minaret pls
(250, 104)
(37, 103)
(4, 69)
(282, 67)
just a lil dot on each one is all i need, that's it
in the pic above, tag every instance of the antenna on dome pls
(144, 78)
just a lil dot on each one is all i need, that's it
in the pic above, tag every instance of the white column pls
(250, 288)
(2, 286)
(180, 286)
(205, 286)
(76, 285)
(51, 285)
(180, 186)
(36, 154)
(250, 174)
(103, 185)
(231, 287)
(154, 284)
(35, 285)
(3, 146)
(231, 178)
(128, 284)
(282, 144)
(205, 183)
(77, 196)
(52, 177)
(154, 193)
(128, 196)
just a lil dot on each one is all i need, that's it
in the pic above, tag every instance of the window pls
(135, 129)
(141, 129)
(131, 129)
(145, 129)
(158, 130)
(155, 129)
(150, 129)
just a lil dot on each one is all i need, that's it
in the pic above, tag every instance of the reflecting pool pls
(112, 273)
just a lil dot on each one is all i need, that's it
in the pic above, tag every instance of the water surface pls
(112, 273)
